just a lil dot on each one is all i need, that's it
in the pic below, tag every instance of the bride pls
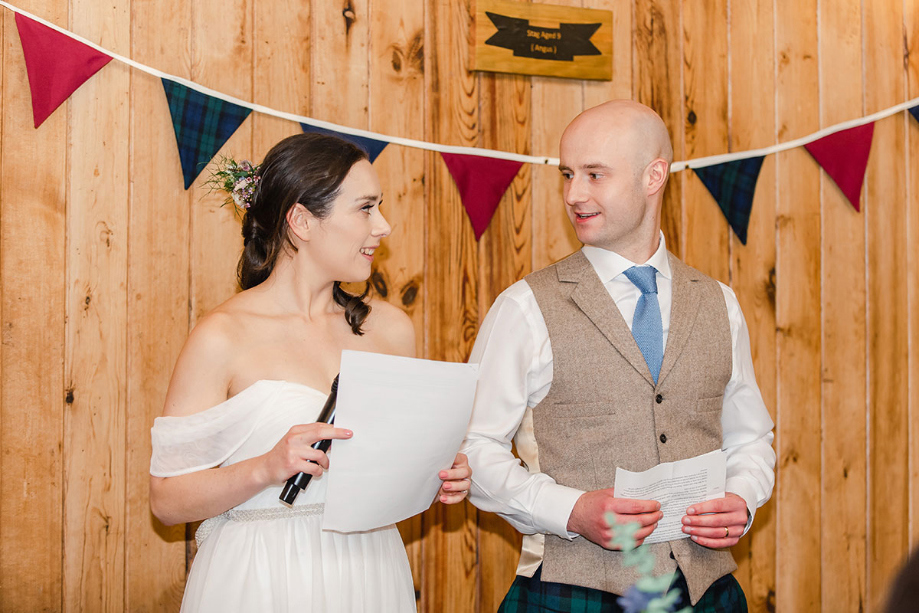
(251, 380)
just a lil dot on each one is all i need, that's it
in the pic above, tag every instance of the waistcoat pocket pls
(705, 405)
(579, 409)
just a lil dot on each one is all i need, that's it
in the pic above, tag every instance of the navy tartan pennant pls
(915, 112)
(732, 185)
(202, 125)
(371, 146)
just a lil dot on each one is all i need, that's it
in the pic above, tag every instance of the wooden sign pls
(543, 39)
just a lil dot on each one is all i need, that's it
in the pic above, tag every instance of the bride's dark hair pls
(307, 169)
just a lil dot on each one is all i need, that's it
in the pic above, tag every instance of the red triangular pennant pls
(844, 156)
(56, 64)
(481, 182)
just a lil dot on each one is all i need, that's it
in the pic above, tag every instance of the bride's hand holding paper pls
(456, 480)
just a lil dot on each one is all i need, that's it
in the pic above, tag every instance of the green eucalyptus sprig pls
(650, 594)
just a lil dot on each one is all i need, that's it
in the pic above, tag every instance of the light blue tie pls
(646, 325)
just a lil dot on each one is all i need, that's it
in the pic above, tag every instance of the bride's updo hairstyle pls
(307, 169)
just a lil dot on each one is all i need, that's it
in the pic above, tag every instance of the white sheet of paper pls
(409, 418)
(677, 486)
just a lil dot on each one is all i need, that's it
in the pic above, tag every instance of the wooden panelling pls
(106, 262)
(705, 91)
(280, 70)
(752, 126)
(95, 441)
(798, 321)
(339, 56)
(33, 271)
(597, 92)
(94, 424)
(656, 77)
(888, 321)
(157, 300)
(911, 28)
(221, 34)
(843, 307)
(505, 249)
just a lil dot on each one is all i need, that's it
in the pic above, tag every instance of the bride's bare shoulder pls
(202, 373)
(392, 327)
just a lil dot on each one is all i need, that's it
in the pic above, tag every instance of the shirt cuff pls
(737, 485)
(553, 509)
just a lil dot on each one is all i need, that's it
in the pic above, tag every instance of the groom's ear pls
(656, 176)
(301, 222)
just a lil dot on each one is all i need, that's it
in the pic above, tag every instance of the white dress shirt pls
(515, 373)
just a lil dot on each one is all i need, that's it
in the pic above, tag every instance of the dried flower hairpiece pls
(238, 179)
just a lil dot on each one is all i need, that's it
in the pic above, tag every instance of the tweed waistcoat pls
(605, 411)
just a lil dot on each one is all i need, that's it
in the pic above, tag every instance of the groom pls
(618, 356)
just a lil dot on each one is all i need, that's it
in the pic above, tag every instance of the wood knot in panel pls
(409, 293)
(349, 15)
(409, 59)
(379, 283)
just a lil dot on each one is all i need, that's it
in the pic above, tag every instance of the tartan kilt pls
(532, 595)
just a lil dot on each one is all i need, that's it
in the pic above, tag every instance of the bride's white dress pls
(260, 555)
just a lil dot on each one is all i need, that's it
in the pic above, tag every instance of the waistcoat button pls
(659, 399)
(663, 438)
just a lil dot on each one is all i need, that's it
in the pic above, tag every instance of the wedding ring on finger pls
(727, 532)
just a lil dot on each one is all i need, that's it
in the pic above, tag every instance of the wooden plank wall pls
(158, 303)
(106, 263)
(911, 28)
(843, 255)
(798, 313)
(33, 178)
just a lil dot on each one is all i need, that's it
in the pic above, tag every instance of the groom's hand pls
(588, 518)
(717, 523)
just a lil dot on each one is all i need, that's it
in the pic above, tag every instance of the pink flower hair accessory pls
(238, 179)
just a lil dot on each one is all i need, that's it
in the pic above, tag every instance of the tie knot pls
(644, 278)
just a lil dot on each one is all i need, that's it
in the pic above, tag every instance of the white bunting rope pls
(488, 153)
(713, 160)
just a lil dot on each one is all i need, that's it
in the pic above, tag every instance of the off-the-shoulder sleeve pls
(189, 443)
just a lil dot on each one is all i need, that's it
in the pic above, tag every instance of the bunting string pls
(396, 140)
(58, 62)
(678, 166)
(713, 160)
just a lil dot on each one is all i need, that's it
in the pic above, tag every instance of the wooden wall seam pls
(32, 303)
(798, 265)
(885, 208)
(843, 303)
(911, 51)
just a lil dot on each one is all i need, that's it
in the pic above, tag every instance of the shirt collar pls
(610, 264)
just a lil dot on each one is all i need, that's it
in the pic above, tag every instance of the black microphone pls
(298, 482)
